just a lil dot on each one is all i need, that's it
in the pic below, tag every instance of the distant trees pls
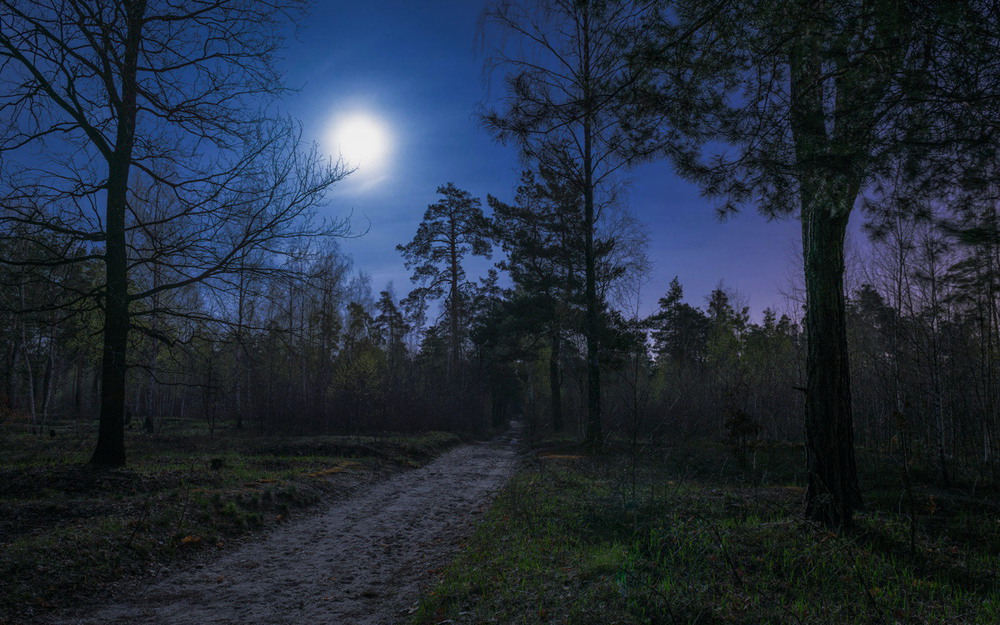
(922, 336)
(158, 255)
(391, 328)
(919, 335)
(679, 330)
(822, 101)
(717, 372)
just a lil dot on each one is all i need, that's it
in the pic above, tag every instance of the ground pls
(76, 537)
(697, 534)
(363, 560)
(498, 533)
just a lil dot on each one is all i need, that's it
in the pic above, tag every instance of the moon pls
(362, 140)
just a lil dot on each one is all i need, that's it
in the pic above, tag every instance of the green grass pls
(66, 530)
(693, 538)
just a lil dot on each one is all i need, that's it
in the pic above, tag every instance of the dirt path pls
(362, 561)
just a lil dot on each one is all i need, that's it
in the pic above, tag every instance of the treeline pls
(924, 324)
(314, 350)
(922, 329)
(790, 108)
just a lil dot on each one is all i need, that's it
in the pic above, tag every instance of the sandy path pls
(362, 561)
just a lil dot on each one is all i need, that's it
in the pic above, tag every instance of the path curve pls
(364, 560)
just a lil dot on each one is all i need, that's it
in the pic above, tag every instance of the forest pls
(317, 351)
(173, 280)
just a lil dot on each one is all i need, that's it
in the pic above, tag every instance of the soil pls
(364, 560)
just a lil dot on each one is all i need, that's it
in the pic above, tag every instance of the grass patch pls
(67, 529)
(697, 537)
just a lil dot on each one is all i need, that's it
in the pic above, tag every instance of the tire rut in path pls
(362, 561)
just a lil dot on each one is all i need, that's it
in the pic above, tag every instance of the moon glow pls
(362, 141)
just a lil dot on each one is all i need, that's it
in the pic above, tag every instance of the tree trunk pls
(594, 436)
(48, 383)
(240, 356)
(555, 385)
(35, 427)
(453, 346)
(10, 362)
(935, 364)
(832, 493)
(594, 433)
(110, 450)
(78, 387)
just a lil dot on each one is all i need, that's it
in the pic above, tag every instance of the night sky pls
(418, 67)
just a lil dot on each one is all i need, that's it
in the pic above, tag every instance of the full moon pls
(362, 141)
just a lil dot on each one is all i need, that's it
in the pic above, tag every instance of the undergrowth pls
(693, 536)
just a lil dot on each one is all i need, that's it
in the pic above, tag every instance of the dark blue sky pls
(419, 67)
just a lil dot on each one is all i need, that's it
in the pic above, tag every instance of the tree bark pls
(832, 493)
(35, 428)
(594, 434)
(110, 451)
(240, 348)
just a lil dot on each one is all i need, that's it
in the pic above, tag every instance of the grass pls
(693, 536)
(67, 530)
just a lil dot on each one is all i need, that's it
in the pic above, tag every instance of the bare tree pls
(138, 130)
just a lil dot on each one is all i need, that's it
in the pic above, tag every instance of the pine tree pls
(821, 102)
(542, 236)
(567, 107)
(452, 228)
